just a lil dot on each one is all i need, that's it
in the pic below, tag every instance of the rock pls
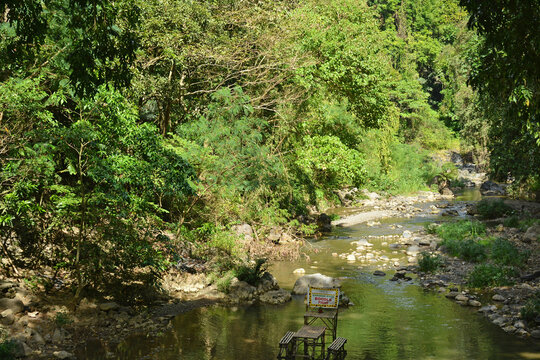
(452, 294)
(491, 188)
(15, 305)
(413, 250)
(315, 280)
(324, 222)
(535, 334)
(379, 273)
(109, 306)
(407, 234)
(244, 232)
(8, 318)
(446, 192)
(424, 242)
(274, 235)
(498, 297)
(241, 290)
(499, 320)
(532, 234)
(450, 213)
(63, 355)
(370, 195)
(487, 309)
(21, 349)
(520, 324)
(475, 303)
(286, 238)
(509, 329)
(461, 297)
(299, 271)
(57, 336)
(275, 297)
(334, 254)
(351, 257)
(37, 338)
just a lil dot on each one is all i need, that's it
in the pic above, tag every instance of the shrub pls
(62, 319)
(512, 221)
(485, 275)
(468, 249)
(505, 253)
(429, 262)
(252, 273)
(531, 310)
(461, 230)
(431, 228)
(492, 209)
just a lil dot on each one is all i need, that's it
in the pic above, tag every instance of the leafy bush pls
(431, 228)
(492, 209)
(429, 262)
(252, 273)
(485, 275)
(531, 310)
(330, 163)
(468, 249)
(512, 221)
(505, 253)
(461, 230)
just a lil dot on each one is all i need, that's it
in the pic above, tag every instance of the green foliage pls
(330, 163)
(410, 169)
(512, 102)
(460, 230)
(460, 238)
(486, 275)
(467, 249)
(431, 228)
(512, 221)
(531, 310)
(252, 272)
(428, 262)
(62, 319)
(7, 346)
(504, 252)
(492, 209)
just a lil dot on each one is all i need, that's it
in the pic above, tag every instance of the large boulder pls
(245, 232)
(275, 297)
(314, 280)
(15, 305)
(241, 290)
(491, 188)
(532, 234)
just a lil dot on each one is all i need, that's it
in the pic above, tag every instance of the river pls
(390, 320)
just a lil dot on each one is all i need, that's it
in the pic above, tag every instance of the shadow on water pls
(390, 320)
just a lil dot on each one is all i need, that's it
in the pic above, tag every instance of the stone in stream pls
(379, 273)
(315, 280)
(351, 257)
(275, 297)
(498, 297)
(299, 271)
(413, 250)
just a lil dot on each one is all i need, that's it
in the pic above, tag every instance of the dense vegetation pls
(124, 121)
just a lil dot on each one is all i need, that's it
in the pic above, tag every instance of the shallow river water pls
(389, 320)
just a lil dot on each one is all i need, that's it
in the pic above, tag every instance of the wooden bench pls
(287, 346)
(336, 350)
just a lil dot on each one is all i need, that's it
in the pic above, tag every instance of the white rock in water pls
(407, 234)
(334, 254)
(351, 257)
(299, 271)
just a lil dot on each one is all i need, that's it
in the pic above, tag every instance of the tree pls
(507, 72)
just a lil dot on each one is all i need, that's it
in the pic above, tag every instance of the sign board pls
(323, 298)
